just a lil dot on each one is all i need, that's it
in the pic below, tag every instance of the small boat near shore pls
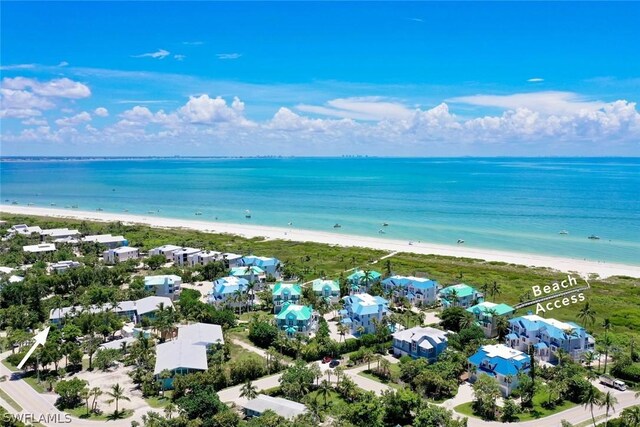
(593, 237)
(385, 224)
(247, 214)
(563, 232)
(460, 241)
(198, 213)
(336, 225)
(381, 231)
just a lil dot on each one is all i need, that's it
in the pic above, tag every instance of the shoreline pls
(580, 266)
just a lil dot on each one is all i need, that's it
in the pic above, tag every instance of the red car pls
(326, 359)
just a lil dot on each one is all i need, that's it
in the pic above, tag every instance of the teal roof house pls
(283, 293)
(487, 313)
(229, 291)
(362, 311)
(250, 273)
(296, 319)
(460, 296)
(271, 266)
(361, 280)
(327, 289)
(167, 285)
(419, 291)
(500, 362)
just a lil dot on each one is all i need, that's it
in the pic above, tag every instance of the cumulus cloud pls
(101, 112)
(34, 122)
(204, 110)
(535, 80)
(63, 64)
(228, 55)
(548, 102)
(74, 120)
(179, 57)
(60, 88)
(360, 108)
(159, 54)
(17, 67)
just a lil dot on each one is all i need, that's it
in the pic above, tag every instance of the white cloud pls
(17, 67)
(60, 88)
(287, 120)
(228, 55)
(159, 54)
(179, 57)
(535, 80)
(22, 99)
(35, 122)
(548, 102)
(63, 64)
(196, 43)
(204, 109)
(101, 112)
(74, 120)
(360, 108)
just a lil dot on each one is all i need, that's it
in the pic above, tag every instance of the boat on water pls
(460, 241)
(198, 213)
(336, 225)
(29, 204)
(564, 232)
(289, 223)
(151, 212)
(594, 237)
(381, 231)
(247, 213)
(385, 224)
(126, 210)
(99, 209)
(14, 203)
(74, 206)
(52, 204)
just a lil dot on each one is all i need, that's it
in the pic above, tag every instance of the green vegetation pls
(4, 396)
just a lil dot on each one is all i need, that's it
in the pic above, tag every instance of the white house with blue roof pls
(271, 266)
(225, 290)
(419, 342)
(166, 285)
(419, 291)
(548, 336)
(500, 362)
(360, 310)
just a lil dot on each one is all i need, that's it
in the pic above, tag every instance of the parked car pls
(334, 363)
(326, 359)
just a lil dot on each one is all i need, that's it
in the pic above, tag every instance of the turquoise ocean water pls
(507, 204)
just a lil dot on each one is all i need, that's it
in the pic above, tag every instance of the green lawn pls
(336, 405)
(538, 411)
(9, 400)
(81, 412)
(9, 366)
(159, 401)
(37, 386)
(371, 376)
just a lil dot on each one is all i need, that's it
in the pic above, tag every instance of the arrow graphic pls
(40, 339)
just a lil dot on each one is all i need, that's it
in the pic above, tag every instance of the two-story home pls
(419, 291)
(362, 311)
(460, 296)
(132, 310)
(120, 254)
(62, 266)
(418, 342)
(165, 250)
(360, 280)
(203, 258)
(167, 285)
(107, 240)
(252, 274)
(500, 362)
(270, 266)
(226, 290)
(59, 233)
(296, 319)
(548, 336)
(284, 293)
(181, 256)
(41, 248)
(327, 289)
(487, 313)
(231, 260)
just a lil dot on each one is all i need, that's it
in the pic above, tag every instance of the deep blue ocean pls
(516, 204)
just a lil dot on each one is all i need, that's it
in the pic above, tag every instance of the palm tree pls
(329, 372)
(249, 391)
(495, 289)
(609, 401)
(631, 416)
(342, 330)
(338, 371)
(169, 410)
(484, 288)
(361, 330)
(367, 357)
(593, 397)
(589, 358)
(587, 315)
(502, 327)
(453, 297)
(325, 390)
(117, 393)
(237, 298)
(164, 375)
(384, 367)
(95, 393)
(606, 325)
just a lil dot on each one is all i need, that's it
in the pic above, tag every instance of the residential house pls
(270, 266)
(226, 289)
(42, 247)
(362, 311)
(285, 408)
(62, 266)
(460, 296)
(231, 260)
(120, 254)
(59, 233)
(133, 310)
(419, 342)
(203, 258)
(181, 256)
(419, 291)
(284, 293)
(548, 337)
(167, 285)
(361, 280)
(165, 250)
(252, 274)
(500, 362)
(327, 289)
(24, 229)
(487, 313)
(107, 240)
(296, 319)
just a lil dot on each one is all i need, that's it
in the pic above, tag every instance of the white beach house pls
(41, 248)
(165, 250)
(120, 254)
(167, 285)
(107, 240)
(181, 256)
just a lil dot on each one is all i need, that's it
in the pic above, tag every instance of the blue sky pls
(330, 78)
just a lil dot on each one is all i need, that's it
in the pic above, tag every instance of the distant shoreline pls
(582, 267)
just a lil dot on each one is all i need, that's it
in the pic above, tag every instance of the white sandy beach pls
(582, 267)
